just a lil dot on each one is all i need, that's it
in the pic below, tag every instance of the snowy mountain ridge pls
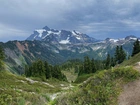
(60, 36)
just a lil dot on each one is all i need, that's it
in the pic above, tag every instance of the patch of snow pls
(35, 36)
(133, 38)
(78, 37)
(65, 41)
(78, 32)
(96, 48)
(51, 32)
(114, 40)
(83, 51)
(73, 50)
(40, 31)
(56, 51)
(74, 33)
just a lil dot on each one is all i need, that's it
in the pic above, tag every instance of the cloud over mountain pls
(98, 18)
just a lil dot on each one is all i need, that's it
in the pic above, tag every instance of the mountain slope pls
(20, 53)
(59, 46)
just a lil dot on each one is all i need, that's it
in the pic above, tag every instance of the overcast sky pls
(97, 18)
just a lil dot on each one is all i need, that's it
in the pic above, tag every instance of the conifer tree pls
(26, 70)
(117, 54)
(93, 66)
(112, 62)
(122, 55)
(44, 71)
(40, 68)
(108, 62)
(1, 57)
(34, 69)
(87, 65)
(81, 70)
(136, 47)
(47, 70)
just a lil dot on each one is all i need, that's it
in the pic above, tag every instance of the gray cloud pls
(98, 18)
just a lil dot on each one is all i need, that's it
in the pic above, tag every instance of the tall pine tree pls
(117, 55)
(87, 65)
(93, 66)
(112, 62)
(1, 58)
(136, 47)
(47, 70)
(120, 55)
(108, 61)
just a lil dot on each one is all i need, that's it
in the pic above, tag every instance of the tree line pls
(91, 65)
(44, 70)
(118, 58)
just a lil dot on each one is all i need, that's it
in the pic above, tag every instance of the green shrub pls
(101, 89)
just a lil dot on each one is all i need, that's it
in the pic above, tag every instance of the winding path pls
(131, 92)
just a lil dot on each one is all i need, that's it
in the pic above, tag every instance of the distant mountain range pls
(57, 46)
(60, 36)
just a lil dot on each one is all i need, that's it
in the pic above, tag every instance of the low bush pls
(101, 89)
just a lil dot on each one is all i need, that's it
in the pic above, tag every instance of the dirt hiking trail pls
(131, 91)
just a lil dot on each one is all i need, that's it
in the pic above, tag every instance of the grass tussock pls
(101, 89)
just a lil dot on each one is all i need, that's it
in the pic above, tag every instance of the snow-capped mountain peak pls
(131, 37)
(46, 28)
(40, 31)
(60, 36)
(120, 41)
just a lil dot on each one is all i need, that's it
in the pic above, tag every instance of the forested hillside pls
(75, 82)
